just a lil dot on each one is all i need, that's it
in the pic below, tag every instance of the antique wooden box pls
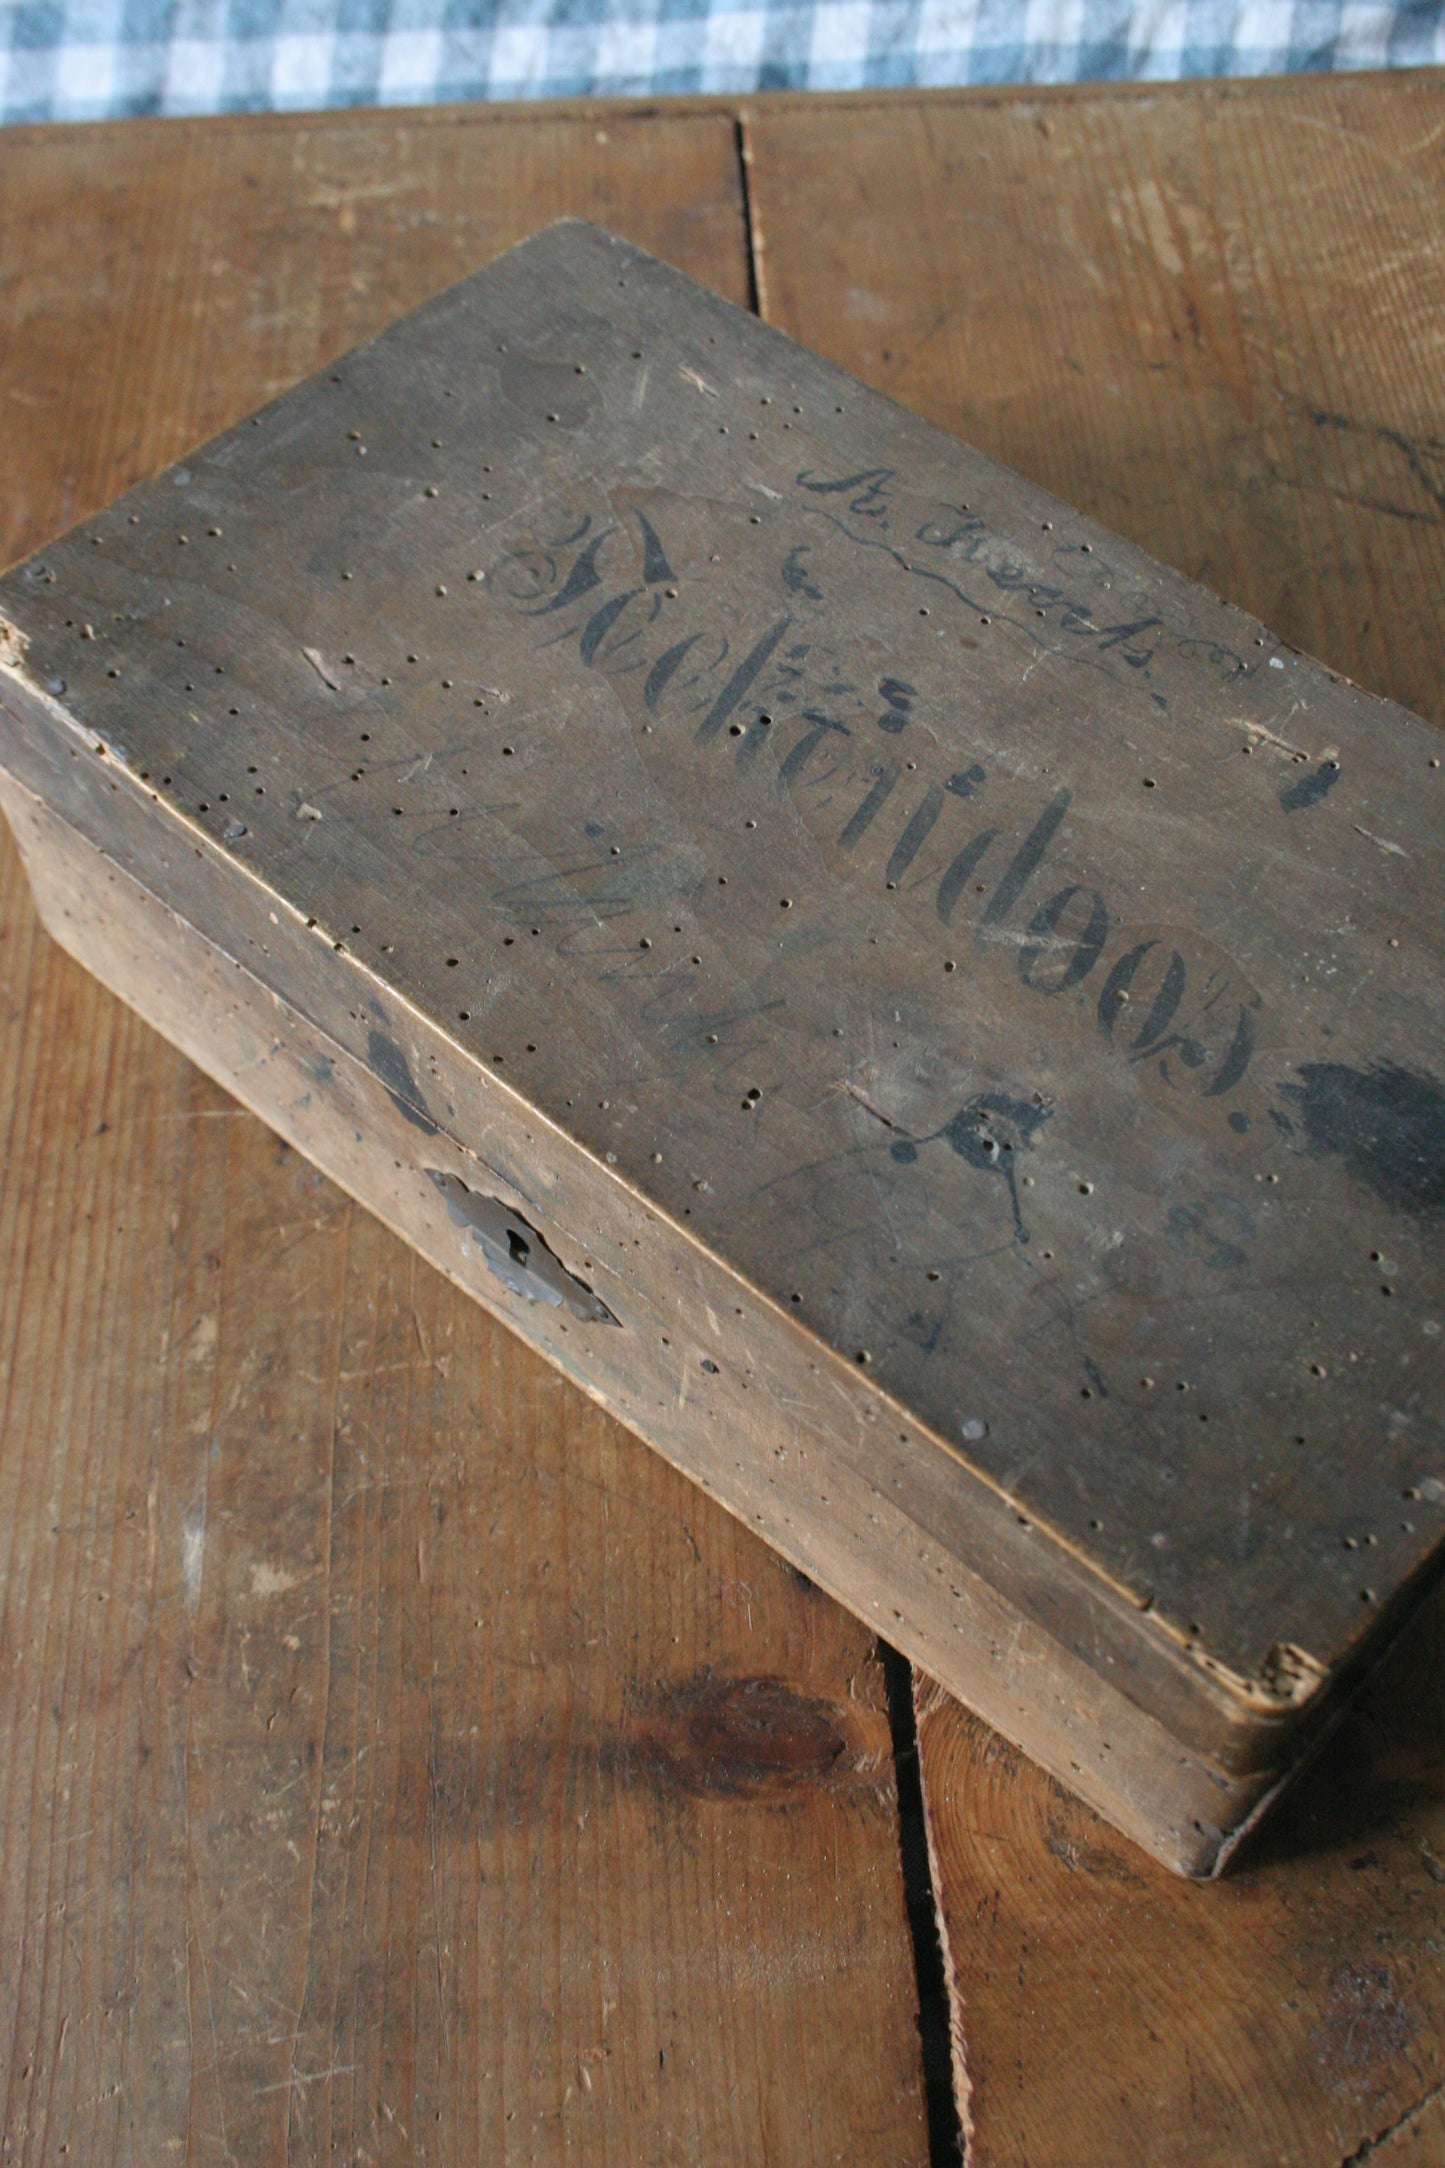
(931, 1018)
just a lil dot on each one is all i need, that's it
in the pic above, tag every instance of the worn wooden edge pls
(733, 105)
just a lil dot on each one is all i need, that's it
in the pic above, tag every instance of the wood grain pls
(1293, 2013)
(397, 1761)
(206, 265)
(1211, 316)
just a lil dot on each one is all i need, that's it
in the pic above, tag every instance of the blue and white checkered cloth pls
(106, 59)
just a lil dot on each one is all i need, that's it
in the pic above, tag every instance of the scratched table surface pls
(398, 1762)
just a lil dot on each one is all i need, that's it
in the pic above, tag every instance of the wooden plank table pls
(398, 1762)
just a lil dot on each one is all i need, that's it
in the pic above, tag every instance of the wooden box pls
(931, 1018)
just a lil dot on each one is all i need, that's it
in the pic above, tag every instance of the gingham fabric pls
(94, 59)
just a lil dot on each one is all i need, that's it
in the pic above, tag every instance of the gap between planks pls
(940, 2043)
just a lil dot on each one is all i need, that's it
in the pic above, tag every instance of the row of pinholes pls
(764, 401)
